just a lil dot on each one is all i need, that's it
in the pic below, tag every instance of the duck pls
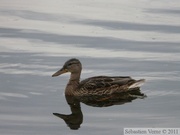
(97, 85)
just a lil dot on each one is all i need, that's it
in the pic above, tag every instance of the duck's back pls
(105, 85)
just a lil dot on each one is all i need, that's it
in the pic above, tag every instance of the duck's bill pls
(59, 72)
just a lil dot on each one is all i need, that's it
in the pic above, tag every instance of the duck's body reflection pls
(113, 99)
(75, 119)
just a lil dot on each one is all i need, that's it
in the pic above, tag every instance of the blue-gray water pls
(34, 44)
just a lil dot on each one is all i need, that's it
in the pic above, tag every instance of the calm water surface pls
(33, 49)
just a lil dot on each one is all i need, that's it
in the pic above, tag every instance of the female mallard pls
(94, 86)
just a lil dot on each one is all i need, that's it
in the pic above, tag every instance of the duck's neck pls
(75, 77)
(73, 83)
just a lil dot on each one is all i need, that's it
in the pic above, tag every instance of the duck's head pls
(73, 66)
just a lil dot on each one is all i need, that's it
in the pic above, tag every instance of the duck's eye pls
(69, 64)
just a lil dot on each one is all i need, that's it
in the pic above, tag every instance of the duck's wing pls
(106, 84)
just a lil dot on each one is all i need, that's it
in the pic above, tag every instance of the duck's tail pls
(137, 84)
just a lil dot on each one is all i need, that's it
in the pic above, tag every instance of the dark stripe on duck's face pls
(72, 63)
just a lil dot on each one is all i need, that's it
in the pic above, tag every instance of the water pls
(139, 39)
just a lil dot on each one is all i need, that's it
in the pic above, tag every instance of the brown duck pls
(95, 86)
